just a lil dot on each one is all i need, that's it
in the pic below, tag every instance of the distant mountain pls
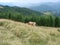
(6, 3)
(18, 10)
(51, 7)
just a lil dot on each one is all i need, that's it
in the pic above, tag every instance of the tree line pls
(41, 20)
(25, 15)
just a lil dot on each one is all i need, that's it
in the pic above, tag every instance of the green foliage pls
(25, 15)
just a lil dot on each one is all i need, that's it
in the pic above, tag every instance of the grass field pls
(17, 33)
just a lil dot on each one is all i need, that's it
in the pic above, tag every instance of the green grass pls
(17, 33)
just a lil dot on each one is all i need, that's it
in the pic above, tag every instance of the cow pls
(31, 23)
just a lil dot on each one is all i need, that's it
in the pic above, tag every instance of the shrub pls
(58, 30)
(1, 23)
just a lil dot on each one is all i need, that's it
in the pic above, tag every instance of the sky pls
(25, 2)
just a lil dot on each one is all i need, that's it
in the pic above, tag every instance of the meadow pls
(17, 33)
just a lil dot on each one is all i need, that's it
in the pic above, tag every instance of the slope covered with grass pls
(17, 33)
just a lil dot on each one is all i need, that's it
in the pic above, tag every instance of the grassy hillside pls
(17, 33)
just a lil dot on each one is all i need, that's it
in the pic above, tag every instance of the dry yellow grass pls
(17, 33)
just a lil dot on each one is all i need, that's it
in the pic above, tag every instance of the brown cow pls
(32, 23)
